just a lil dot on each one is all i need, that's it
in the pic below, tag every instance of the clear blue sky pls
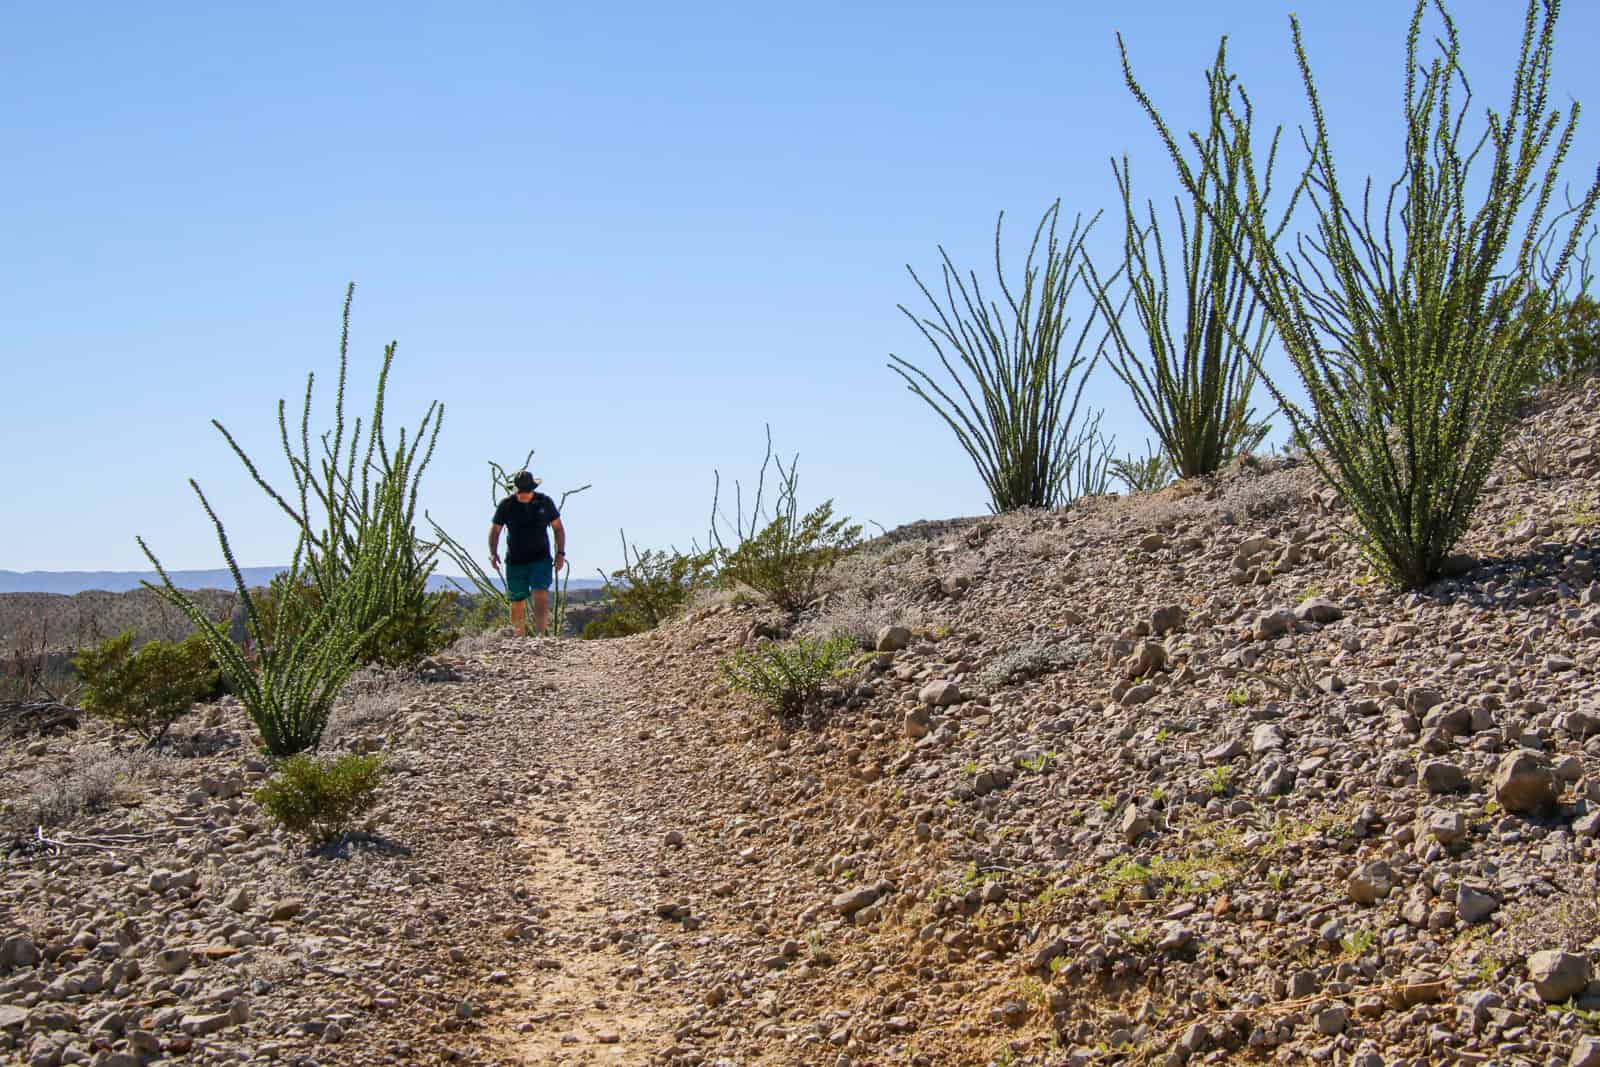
(624, 234)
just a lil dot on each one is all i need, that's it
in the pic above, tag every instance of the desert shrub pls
(1412, 346)
(1193, 388)
(1030, 661)
(1143, 474)
(354, 502)
(1570, 340)
(652, 587)
(783, 556)
(320, 799)
(860, 617)
(95, 780)
(148, 689)
(789, 676)
(613, 623)
(1022, 428)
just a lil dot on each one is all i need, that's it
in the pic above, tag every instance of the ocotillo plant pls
(1193, 387)
(1413, 332)
(300, 667)
(355, 498)
(1021, 429)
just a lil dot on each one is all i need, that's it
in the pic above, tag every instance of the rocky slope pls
(1165, 779)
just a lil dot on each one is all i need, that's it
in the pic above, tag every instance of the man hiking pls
(529, 567)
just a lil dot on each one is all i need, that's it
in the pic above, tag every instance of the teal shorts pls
(523, 578)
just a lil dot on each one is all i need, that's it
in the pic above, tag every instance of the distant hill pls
(69, 582)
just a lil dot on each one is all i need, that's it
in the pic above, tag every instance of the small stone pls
(1586, 1053)
(1447, 827)
(1318, 610)
(1167, 618)
(1149, 657)
(1331, 1021)
(1524, 782)
(202, 1025)
(284, 910)
(853, 900)
(1135, 824)
(172, 960)
(1267, 737)
(239, 900)
(673, 839)
(1558, 975)
(1138, 694)
(1441, 776)
(1474, 905)
(918, 723)
(893, 639)
(1272, 624)
(940, 694)
(1371, 882)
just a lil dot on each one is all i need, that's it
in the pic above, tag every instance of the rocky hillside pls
(1164, 779)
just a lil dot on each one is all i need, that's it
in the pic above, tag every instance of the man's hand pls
(561, 559)
(494, 560)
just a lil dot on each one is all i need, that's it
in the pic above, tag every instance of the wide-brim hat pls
(523, 482)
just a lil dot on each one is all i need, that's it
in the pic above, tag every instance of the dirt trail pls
(636, 928)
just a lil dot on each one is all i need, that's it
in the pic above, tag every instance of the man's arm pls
(561, 541)
(494, 545)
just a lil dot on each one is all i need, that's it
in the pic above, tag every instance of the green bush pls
(1413, 320)
(1570, 340)
(783, 556)
(651, 587)
(788, 677)
(1143, 474)
(787, 559)
(321, 798)
(146, 690)
(613, 623)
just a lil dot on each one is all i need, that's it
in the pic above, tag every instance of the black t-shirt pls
(529, 525)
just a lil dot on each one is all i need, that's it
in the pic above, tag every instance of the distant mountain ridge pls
(67, 583)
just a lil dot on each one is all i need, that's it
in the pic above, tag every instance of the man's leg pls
(519, 616)
(541, 611)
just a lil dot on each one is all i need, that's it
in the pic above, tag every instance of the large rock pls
(1270, 624)
(918, 723)
(853, 900)
(1524, 782)
(1474, 905)
(1167, 618)
(1371, 882)
(893, 639)
(1586, 1053)
(1558, 975)
(1318, 610)
(940, 694)
(1267, 737)
(1149, 657)
(1442, 776)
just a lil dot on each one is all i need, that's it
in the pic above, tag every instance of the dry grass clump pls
(96, 779)
(860, 617)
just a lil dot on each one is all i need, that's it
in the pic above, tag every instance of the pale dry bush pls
(364, 710)
(853, 613)
(95, 779)
(1047, 544)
